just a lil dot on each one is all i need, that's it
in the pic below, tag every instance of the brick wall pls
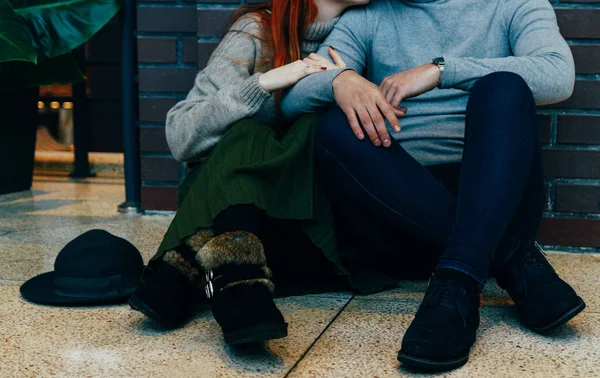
(175, 39)
(167, 64)
(572, 136)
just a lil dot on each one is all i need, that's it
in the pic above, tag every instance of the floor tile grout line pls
(318, 337)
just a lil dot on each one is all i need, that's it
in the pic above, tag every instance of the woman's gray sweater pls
(227, 90)
(476, 37)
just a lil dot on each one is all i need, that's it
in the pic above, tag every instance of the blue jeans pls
(499, 196)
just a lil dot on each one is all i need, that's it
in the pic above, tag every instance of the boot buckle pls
(208, 288)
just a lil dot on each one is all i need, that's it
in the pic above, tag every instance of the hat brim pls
(39, 289)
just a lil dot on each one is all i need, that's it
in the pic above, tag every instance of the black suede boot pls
(543, 300)
(170, 293)
(445, 326)
(239, 283)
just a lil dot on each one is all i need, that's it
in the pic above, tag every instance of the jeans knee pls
(504, 97)
(502, 79)
(505, 87)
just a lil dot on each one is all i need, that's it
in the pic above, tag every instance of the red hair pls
(287, 21)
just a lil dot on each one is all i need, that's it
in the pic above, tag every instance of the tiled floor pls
(332, 335)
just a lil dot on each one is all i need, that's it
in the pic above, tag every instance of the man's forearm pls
(309, 95)
(550, 76)
(541, 55)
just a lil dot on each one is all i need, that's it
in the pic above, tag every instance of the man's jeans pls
(499, 199)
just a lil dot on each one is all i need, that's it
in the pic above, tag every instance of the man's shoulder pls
(513, 5)
(360, 12)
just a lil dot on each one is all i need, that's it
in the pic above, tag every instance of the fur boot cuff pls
(199, 239)
(183, 259)
(236, 248)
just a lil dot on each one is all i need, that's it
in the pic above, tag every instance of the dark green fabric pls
(250, 165)
(59, 26)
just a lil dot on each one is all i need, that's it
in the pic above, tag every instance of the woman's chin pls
(352, 3)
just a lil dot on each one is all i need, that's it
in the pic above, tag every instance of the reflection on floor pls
(333, 335)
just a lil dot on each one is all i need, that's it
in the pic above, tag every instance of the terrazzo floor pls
(331, 335)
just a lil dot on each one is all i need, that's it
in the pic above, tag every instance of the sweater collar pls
(318, 30)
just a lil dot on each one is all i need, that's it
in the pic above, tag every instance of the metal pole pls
(131, 146)
(81, 132)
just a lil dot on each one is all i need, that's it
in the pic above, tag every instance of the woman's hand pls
(338, 62)
(288, 75)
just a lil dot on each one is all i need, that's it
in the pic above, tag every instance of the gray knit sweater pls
(476, 37)
(227, 90)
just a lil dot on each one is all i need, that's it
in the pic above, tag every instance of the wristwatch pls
(441, 63)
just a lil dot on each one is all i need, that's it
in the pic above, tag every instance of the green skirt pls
(252, 165)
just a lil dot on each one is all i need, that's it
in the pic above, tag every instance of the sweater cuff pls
(332, 75)
(450, 77)
(253, 94)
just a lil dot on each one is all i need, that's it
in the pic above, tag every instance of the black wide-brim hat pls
(93, 269)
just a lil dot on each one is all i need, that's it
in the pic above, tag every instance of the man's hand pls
(362, 100)
(411, 83)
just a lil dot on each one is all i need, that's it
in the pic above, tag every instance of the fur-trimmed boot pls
(170, 293)
(241, 289)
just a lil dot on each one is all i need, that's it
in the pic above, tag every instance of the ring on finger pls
(307, 65)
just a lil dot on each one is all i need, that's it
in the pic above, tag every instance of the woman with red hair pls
(251, 194)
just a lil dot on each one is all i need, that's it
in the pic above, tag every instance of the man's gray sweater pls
(475, 37)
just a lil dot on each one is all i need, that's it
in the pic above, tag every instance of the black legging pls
(238, 218)
(298, 266)
(500, 198)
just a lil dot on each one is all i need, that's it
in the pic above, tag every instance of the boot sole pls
(563, 319)
(430, 365)
(257, 333)
(138, 305)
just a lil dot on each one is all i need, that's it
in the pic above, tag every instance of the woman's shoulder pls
(250, 23)
(241, 45)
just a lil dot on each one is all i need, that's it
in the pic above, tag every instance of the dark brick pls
(205, 49)
(587, 58)
(578, 129)
(106, 44)
(213, 22)
(580, 1)
(585, 96)
(216, 1)
(190, 50)
(157, 50)
(153, 139)
(579, 23)
(159, 197)
(155, 109)
(103, 81)
(166, 19)
(166, 79)
(571, 163)
(570, 232)
(577, 198)
(159, 169)
(545, 124)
